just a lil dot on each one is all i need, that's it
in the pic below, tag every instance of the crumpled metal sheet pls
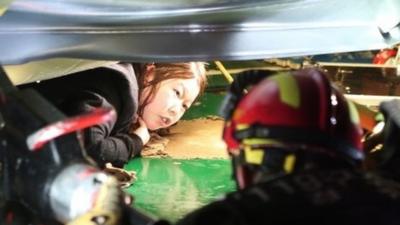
(179, 30)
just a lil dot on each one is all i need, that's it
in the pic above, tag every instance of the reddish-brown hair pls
(165, 71)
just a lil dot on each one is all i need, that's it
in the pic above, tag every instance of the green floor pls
(169, 188)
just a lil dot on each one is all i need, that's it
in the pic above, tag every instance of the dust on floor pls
(188, 139)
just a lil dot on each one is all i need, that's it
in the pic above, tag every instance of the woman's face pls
(169, 103)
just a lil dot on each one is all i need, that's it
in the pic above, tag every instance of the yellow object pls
(288, 165)
(242, 126)
(253, 156)
(226, 74)
(288, 89)
(106, 209)
(4, 6)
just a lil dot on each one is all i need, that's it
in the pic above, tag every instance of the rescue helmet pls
(291, 110)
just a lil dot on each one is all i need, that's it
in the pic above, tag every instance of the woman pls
(149, 97)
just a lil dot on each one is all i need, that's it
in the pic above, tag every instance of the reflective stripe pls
(288, 165)
(259, 141)
(242, 126)
(288, 89)
(253, 156)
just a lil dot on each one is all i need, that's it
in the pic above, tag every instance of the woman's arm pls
(116, 149)
(102, 142)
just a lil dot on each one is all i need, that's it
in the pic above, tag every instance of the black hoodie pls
(111, 86)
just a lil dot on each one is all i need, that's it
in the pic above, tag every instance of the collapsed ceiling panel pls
(194, 30)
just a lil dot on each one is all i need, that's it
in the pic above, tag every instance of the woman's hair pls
(165, 71)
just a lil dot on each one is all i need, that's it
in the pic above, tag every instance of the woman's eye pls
(177, 92)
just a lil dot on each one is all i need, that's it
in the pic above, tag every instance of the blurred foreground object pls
(45, 175)
(383, 145)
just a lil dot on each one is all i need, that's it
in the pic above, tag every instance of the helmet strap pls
(305, 137)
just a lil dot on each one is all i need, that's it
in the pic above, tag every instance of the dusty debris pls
(124, 177)
(214, 118)
(199, 138)
(156, 146)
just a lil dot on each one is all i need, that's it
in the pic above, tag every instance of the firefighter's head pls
(287, 119)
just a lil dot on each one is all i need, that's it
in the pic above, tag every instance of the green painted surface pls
(171, 188)
(207, 105)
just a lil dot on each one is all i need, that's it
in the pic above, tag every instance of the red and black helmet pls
(292, 109)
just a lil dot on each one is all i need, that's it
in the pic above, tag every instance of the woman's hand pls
(142, 131)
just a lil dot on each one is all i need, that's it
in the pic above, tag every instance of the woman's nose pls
(175, 110)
